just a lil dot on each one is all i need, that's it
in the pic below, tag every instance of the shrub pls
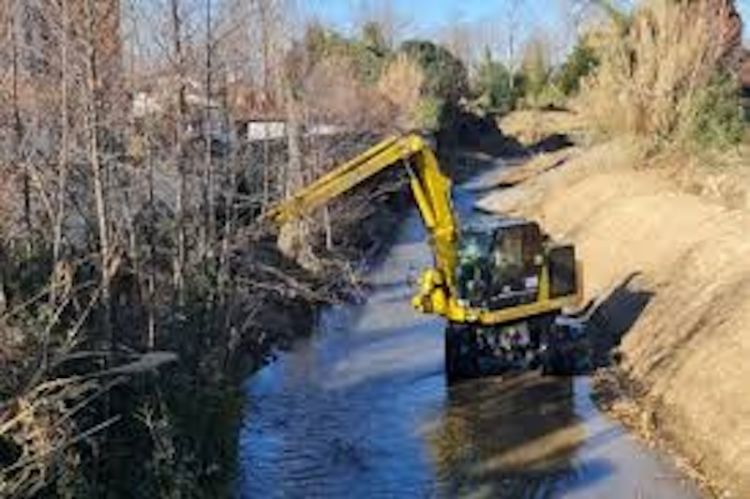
(493, 86)
(657, 76)
(536, 69)
(717, 121)
(428, 113)
(581, 62)
(445, 76)
(401, 85)
(366, 56)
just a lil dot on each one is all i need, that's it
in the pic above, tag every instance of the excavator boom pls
(430, 186)
(431, 189)
(438, 289)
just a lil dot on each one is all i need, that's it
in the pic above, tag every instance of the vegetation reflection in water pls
(510, 437)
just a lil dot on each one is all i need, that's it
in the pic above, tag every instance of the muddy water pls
(362, 410)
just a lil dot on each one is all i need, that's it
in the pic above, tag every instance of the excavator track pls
(473, 351)
(461, 355)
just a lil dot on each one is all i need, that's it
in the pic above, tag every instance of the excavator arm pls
(432, 194)
(509, 330)
(437, 293)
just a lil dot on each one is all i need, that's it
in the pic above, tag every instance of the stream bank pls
(667, 266)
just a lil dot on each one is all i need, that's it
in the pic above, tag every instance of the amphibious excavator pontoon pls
(500, 283)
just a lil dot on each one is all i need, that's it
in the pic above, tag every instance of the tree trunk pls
(98, 174)
(180, 256)
(232, 168)
(208, 231)
(62, 171)
(294, 237)
(265, 47)
(18, 128)
(151, 284)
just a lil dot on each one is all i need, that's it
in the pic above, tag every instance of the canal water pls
(361, 409)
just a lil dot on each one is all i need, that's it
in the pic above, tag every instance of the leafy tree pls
(445, 75)
(493, 85)
(367, 55)
(580, 63)
(374, 39)
(536, 68)
(318, 42)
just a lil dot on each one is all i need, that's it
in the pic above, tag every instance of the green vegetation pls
(445, 82)
(536, 70)
(495, 88)
(428, 113)
(445, 75)
(366, 61)
(581, 62)
(536, 84)
(662, 77)
(368, 54)
(717, 121)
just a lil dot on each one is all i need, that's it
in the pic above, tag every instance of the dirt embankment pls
(668, 258)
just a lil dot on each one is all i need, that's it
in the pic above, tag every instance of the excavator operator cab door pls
(515, 258)
(473, 269)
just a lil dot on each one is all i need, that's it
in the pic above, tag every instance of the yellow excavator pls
(500, 283)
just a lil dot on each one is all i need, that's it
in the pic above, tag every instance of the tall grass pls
(662, 77)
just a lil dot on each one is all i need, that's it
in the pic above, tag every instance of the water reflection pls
(506, 438)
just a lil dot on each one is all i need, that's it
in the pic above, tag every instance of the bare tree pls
(15, 13)
(208, 231)
(177, 153)
(513, 13)
(392, 22)
(264, 15)
(62, 169)
(97, 170)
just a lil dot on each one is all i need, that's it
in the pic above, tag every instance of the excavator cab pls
(505, 265)
(499, 264)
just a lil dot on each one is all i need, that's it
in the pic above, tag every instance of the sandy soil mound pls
(688, 347)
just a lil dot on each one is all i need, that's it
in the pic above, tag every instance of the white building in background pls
(268, 129)
(265, 129)
(252, 116)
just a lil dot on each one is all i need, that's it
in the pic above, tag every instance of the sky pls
(428, 16)
(434, 18)
(744, 6)
(484, 21)
(424, 14)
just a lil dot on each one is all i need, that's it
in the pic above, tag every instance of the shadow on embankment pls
(613, 318)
